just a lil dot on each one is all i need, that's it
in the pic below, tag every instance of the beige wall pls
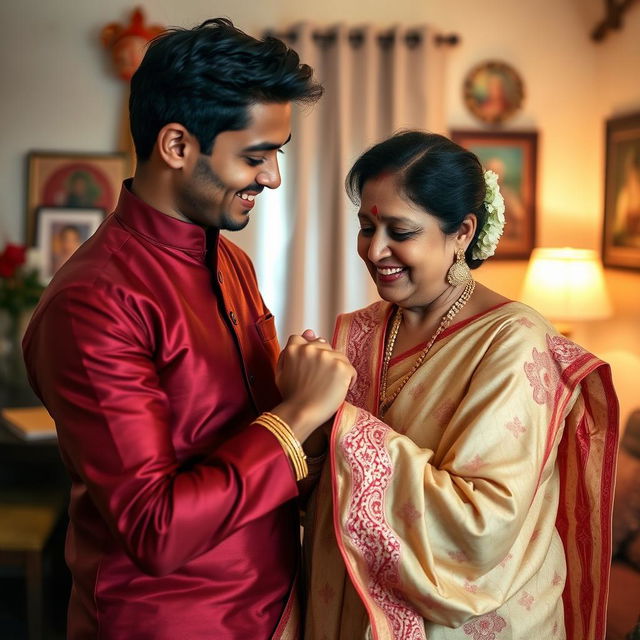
(618, 93)
(568, 180)
(58, 95)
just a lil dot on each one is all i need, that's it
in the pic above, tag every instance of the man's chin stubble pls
(227, 223)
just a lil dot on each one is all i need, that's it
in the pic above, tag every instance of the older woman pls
(468, 491)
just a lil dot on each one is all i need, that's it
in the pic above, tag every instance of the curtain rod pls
(356, 38)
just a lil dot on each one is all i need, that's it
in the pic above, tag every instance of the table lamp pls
(566, 285)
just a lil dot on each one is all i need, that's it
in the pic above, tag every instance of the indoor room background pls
(60, 95)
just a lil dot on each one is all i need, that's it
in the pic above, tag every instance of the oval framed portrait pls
(493, 91)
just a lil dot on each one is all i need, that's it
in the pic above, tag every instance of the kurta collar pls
(161, 228)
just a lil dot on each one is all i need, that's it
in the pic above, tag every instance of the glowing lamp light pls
(566, 285)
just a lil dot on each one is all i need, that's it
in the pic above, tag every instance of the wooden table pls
(34, 493)
(28, 465)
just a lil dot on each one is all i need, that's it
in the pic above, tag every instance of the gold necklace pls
(386, 402)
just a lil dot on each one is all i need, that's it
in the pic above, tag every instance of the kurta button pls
(252, 378)
(219, 276)
(233, 317)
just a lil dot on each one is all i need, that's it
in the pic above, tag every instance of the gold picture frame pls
(513, 156)
(72, 180)
(621, 224)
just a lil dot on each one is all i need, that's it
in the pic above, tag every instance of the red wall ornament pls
(127, 44)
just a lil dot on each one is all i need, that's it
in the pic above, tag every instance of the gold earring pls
(459, 272)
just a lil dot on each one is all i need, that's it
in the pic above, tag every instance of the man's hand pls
(313, 380)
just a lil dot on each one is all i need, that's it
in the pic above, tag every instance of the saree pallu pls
(480, 506)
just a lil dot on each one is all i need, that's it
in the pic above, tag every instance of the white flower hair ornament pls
(493, 227)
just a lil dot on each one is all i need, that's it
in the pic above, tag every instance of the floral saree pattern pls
(480, 506)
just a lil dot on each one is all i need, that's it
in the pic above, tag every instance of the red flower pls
(12, 257)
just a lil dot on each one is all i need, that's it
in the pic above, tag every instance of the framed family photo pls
(621, 232)
(60, 231)
(72, 180)
(513, 156)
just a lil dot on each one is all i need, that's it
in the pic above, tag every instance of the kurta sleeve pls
(101, 385)
(454, 530)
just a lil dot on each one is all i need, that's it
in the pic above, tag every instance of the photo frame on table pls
(60, 231)
(72, 180)
(621, 226)
(513, 156)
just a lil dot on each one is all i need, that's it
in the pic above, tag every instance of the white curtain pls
(305, 246)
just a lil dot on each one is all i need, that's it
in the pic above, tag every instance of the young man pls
(156, 356)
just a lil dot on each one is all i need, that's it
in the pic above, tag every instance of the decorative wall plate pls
(493, 91)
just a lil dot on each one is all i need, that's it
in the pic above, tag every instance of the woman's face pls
(406, 252)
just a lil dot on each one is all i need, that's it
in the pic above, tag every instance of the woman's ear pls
(467, 229)
(176, 145)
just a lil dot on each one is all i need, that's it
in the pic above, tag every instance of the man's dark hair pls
(206, 78)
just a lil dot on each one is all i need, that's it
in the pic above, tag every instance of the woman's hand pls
(313, 380)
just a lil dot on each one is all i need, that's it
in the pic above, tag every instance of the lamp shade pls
(566, 285)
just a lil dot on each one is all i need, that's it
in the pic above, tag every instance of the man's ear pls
(176, 145)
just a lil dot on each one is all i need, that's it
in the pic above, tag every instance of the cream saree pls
(480, 506)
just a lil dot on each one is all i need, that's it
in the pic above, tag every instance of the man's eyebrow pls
(266, 146)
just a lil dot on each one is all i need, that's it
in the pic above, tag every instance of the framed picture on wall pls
(621, 232)
(72, 180)
(513, 156)
(60, 231)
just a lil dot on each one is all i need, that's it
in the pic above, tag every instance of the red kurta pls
(153, 356)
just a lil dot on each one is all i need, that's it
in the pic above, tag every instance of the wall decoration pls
(613, 19)
(127, 45)
(493, 91)
(61, 230)
(513, 156)
(72, 180)
(621, 233)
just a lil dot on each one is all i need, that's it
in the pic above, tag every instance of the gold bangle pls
(287, 429)
(294, 447)
(287, 441)
(283, 443)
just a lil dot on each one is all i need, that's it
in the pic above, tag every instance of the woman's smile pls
(389, 274)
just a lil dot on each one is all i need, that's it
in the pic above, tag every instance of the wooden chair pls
(24, 531)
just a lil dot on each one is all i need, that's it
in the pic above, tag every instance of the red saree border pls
(570, 377)
(358, 335)
(289, 627)
(585, 599)
(608, 474)
(586, 588)
(581, 511)
(379, 551)
(336, 519)
(562, 525)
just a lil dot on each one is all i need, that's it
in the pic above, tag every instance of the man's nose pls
(269, 175)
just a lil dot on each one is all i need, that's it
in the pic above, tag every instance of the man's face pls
(220, 190)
